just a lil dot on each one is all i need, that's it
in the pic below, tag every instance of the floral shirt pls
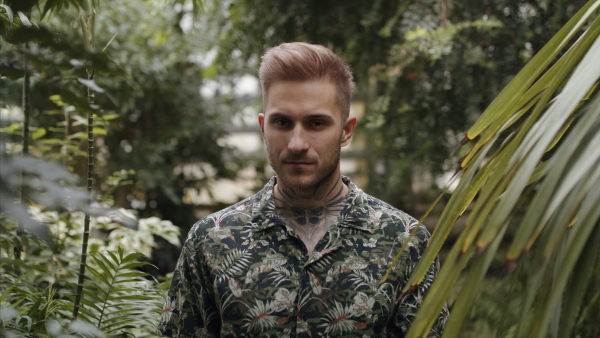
(243, 273)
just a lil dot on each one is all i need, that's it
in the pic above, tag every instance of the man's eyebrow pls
(276, 115)
(319, 116)
(306, 117)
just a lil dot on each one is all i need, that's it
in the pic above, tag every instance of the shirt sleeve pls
(189, 309)
(410, 303)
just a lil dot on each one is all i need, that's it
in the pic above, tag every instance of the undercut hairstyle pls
(299, 61)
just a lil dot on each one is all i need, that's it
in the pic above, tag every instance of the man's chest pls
(268, 285)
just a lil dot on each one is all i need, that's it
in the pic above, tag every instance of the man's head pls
(299, 61)
(306, 92)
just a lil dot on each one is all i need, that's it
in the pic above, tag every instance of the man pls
(305, 256)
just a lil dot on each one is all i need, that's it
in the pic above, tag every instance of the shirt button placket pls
(302, 314)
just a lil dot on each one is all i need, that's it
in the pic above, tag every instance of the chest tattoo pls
(310, 217)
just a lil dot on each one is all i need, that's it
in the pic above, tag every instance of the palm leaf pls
(536, 152)
(119, 297)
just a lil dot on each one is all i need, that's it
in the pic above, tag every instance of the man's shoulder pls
(380, 206)
(234, 215)
(385, 216)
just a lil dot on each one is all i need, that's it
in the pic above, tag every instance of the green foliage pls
(530, 178)
(121, 298)
(425, 70)
(57, 70)
(118, 297)
(146, 101)
(41, 182)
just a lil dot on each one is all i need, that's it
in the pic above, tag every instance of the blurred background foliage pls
(425, 69)
(425, 72)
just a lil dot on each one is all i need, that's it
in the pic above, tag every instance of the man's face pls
(303, 130)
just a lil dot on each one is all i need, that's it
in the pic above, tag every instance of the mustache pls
(297, 158)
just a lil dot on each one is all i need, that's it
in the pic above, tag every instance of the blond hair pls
(299, 61)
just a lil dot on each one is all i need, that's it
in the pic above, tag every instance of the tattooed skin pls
(311, 216)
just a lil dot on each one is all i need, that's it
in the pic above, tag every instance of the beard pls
(301, 179)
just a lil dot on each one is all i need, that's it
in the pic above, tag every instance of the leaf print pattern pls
(363, 304)
(259, 317)
(284, 299)
(235, 287)
(244, 273)
(339, 321)
(235, 262)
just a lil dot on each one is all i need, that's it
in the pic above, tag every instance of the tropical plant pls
(531, 177)
(150, 68)
(122, 298)
(118, 298)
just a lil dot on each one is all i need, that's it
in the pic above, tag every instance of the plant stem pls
(86, 222)
(87, 26)
(65, 147)
(26, 109)
(26, 116)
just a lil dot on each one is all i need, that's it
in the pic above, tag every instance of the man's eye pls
(317, 123)
(281, 122)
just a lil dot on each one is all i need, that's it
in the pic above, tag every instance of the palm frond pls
(530, 180)
(118, 297)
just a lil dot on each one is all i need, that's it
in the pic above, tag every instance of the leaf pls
(109, 42)
(56, 99)
(108, 117)
(35, 308)
(78, 135)
(579, 282)
(52, 141)
(549, 198)
(97, 297)
(115, 259)
(77, 63)
(80, 120)
(131, 257)
(464, 301)
(24, 19)
(553, 189)
(38, 133)
(505, 102)
(12, 286)
(9, 12)
(103, 266)
(129, 275)
(90, 84)
(572, 253)
(97, 274)
(100, 131)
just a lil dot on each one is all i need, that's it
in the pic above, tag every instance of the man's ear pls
(349, 126)
(261, 122)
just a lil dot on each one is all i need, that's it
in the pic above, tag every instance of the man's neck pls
(311, 213)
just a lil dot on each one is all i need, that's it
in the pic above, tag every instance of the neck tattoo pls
(310, 216)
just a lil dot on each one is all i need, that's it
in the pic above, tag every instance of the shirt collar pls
(356, 213)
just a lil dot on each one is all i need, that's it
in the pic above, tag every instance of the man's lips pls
(298, 163)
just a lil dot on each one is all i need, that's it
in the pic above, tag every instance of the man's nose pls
(298, 141)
